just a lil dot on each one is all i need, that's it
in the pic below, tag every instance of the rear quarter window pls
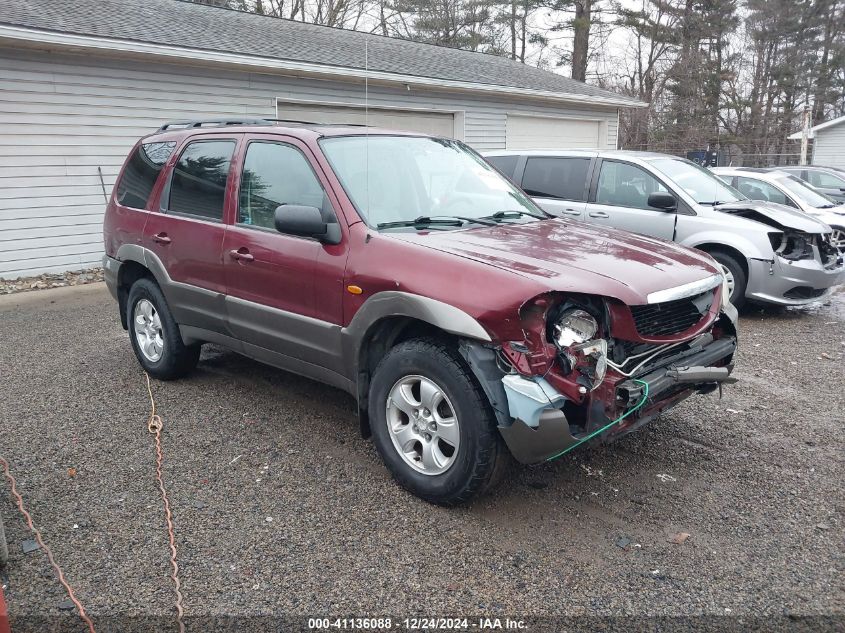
(505, 164)
(561, 178)
(141, 173)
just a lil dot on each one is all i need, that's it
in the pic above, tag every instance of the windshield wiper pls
(827, 206)
(440, 220)
(510, 213)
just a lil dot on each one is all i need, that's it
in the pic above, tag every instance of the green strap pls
(607, 426)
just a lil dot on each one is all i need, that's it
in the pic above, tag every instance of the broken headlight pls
(793, 245)
(578, 351)
(575, 326)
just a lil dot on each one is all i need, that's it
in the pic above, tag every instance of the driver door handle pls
(598, 214)
(574, 212)
(242, 255)
(161, 238)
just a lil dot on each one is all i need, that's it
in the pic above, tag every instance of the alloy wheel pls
(148, 333)
(729, 276)
(423, 425)
(837, 240)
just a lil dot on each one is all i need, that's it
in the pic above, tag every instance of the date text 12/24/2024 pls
(416, 624)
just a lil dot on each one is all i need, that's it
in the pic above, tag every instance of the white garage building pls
(82, 80)
(828, 143)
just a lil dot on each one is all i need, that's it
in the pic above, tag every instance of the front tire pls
(155, 335)
(737, 279)
(432, 424)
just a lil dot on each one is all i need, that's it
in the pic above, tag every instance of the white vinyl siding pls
(63, 116)
(829, 146)
(424, 121)
(540, 132)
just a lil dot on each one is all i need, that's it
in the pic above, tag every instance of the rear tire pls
(155, 335)
(447, 463)
(735, 272)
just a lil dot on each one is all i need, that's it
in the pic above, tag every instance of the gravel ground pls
(281, 508)
(50, 280)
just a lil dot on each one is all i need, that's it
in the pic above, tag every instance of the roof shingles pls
(188, 25)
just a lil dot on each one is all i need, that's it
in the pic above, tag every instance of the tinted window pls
(199, 179)
(141, 173)
(273, 175)
(625, 185)
(826, 180)
(564, 178)
(759, 190)
(505, 164)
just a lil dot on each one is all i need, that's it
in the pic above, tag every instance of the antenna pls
(367, 120)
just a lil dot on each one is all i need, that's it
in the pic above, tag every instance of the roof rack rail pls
(186, 125)
(200, 123)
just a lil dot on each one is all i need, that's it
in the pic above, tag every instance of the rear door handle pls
(242, 255)
(161, 238)
(598, 214)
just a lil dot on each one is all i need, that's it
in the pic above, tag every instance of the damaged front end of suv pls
(595, 368)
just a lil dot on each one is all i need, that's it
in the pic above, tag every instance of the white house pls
(828, 143)
(82, 80)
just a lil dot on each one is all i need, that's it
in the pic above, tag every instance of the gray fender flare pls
(392, 303)
(145, 257)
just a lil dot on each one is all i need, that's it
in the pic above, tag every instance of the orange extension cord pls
(154, 426)
(37, 534)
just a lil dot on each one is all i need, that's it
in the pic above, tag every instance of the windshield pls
(395, 179)
(699, 183)
(806, 193)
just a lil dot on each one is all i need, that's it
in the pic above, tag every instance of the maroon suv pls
(404, 269)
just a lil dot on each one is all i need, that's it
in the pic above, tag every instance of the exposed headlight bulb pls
(579, 351)
(573, 328)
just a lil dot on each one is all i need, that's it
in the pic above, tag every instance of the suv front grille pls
(671, 317)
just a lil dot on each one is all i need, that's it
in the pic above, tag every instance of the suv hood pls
(576, 257)
(774, 215)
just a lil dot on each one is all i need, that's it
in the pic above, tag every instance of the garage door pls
(427, 122)
(536, 132)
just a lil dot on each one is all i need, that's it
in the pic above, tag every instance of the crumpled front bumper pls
(541, 430)
(776, 281)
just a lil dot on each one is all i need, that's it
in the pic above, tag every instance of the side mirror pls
(303, 221)
(662, 200)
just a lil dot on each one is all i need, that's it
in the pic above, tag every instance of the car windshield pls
(699, 183)
(396, 180)
(806, 193)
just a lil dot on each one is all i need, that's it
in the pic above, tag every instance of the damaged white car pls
(768, 252)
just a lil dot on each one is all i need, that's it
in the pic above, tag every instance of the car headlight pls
(576, 326)
(726, 291)
(578, 351)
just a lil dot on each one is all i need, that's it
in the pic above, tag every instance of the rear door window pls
(198, 185)
(560, 178)
(141, 173)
